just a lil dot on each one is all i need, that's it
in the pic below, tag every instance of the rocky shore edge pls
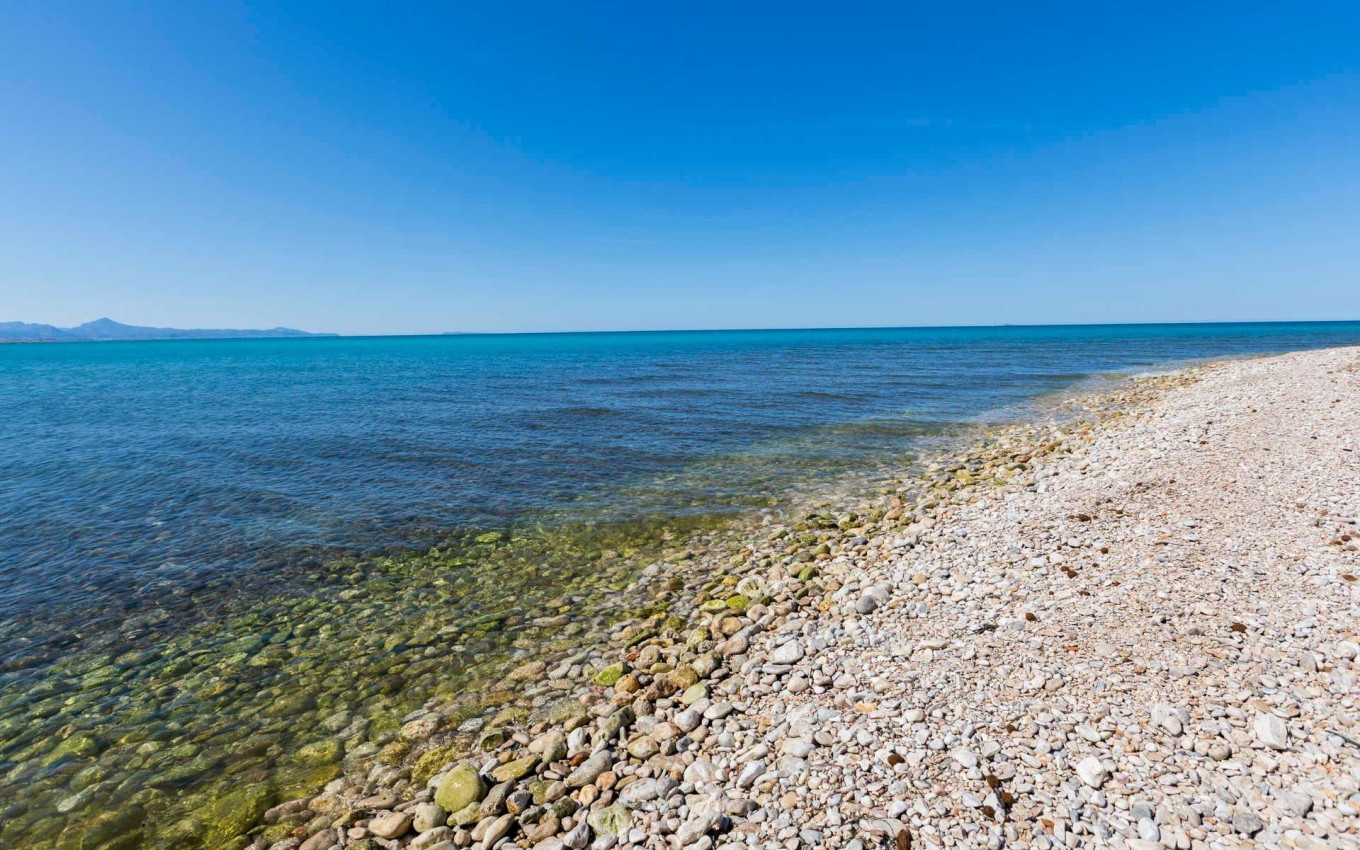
(642, 743)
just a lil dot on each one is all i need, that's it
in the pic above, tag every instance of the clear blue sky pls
(410, 167)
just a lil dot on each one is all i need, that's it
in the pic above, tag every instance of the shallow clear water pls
(195, 619)
(130, 469)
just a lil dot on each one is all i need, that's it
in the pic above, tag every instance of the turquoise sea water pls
(229, 568)
(132, 471)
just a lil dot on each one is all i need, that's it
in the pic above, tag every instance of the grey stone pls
(790, 652)
(390, 824)
(1247, 823)
(590, 769)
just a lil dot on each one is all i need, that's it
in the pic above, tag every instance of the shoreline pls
(209, 817)
(711, 738)
(700, 658)
(719, 580)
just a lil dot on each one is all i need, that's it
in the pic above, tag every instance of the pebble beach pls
(474, 426)
(1135, 629)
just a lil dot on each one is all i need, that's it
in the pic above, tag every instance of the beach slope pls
(1153, 644)
(1133, 632)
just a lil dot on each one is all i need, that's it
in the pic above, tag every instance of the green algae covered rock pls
(118, 828)
(74, 747)
(492, 738)
(611, 820)
(326, 751)
(694, 693)
(540, 789)
(683, 676)
(461, 787)
(235, 813)
(561, 712)
(430, 762)
(513, 770)
(180, 834)
(394, 752)
(466, 816)
(611, 674)
(509, 715)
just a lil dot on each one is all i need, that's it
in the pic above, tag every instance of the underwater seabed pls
(187, 742)
(184, 740)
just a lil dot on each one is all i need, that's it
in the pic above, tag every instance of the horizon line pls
(322, 335)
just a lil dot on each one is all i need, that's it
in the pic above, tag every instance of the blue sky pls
(411, 167)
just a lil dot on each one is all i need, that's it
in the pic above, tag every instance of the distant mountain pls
(108, 329)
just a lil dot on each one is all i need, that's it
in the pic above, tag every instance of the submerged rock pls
(235, 813)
